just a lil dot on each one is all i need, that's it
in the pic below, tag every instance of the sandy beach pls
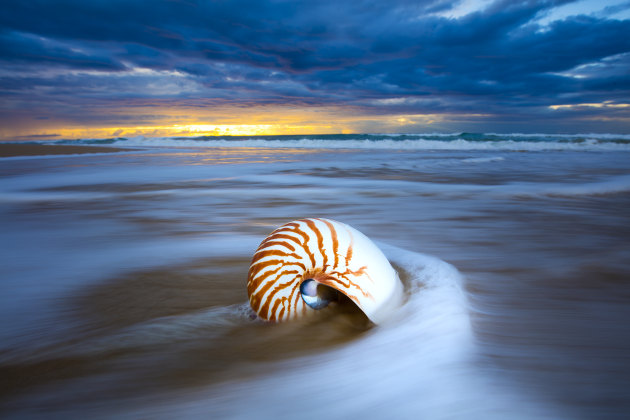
(8, 149)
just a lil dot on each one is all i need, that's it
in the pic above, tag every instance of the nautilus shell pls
(306, 264)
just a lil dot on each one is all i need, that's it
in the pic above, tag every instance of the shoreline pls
(21, 149)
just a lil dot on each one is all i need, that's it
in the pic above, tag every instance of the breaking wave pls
(456, 141)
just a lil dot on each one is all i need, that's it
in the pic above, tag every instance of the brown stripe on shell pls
(281, 239)
(320, 239)
(254, 280)
(285, 282)
(350, 247)
(270, 276)
(351, 283)
(267, 263)
(273, 276)
(264, 309)
(278, 243)
(335, 241)
(282, 300)
(280, 235)
(263, 253)
(297, 229)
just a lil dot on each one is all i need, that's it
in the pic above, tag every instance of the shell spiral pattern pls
(297, 267)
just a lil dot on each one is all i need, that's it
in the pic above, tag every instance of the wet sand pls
(181, 349)
(20, 149)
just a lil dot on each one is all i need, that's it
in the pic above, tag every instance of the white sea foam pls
(429, 141)
(611, 185)
(387, 144)
(484, 159)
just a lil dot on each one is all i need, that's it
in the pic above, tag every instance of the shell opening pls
(317, 295)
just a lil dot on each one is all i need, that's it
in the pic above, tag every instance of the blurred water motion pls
(123, 285)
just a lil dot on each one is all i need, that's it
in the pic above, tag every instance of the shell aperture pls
(316, 295)
(304, 265)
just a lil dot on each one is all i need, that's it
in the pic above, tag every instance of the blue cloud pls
(357, 53)
(16, 47)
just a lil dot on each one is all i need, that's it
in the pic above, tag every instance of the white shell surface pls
(330, 252)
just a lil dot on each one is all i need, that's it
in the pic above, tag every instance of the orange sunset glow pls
(195, 121)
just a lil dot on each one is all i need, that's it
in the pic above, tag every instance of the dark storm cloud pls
(357, 53)
(29, 48)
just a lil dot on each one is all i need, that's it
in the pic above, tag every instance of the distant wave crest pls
(432, 141)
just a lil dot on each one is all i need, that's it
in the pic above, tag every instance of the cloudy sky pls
(103, 68)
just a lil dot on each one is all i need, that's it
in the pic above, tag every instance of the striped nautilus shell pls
(306, 264)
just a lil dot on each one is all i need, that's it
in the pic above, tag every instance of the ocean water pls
(123, 293)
